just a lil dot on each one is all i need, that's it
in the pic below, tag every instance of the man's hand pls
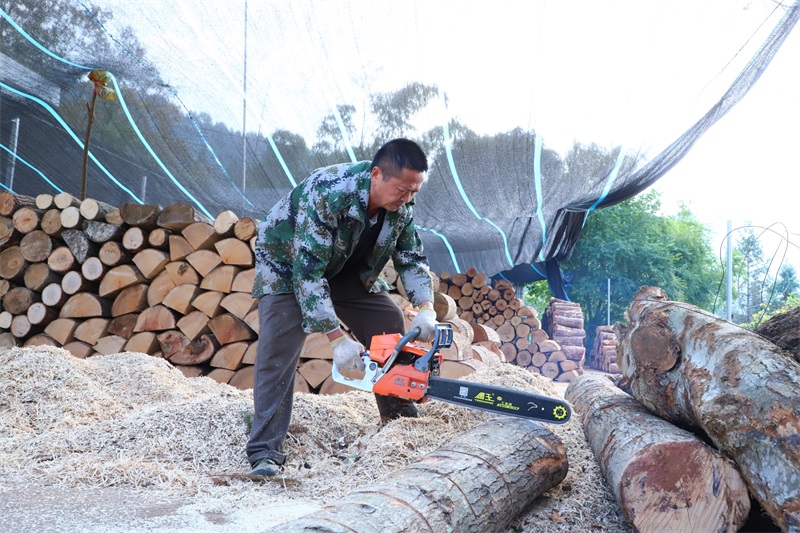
(426, 322)
(347, 353)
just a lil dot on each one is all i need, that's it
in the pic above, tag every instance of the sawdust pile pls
(133, 420)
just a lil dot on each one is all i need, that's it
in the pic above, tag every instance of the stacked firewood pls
(95, 279)
(603, 355)
(523, 340)
(564, 324)
(169, 282)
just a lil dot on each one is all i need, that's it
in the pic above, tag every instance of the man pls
(319, 253)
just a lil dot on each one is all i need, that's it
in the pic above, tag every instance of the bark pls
(177, 216)
(79, 244)
(783, 330)
(693, 368)
(143, 216)
(461, 487)
(664, 478)
(10, 202)
(101, 232)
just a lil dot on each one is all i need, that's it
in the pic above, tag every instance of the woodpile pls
(95, 279)
(732, 386)
(522, 338)
(168, 282)
(603, 355)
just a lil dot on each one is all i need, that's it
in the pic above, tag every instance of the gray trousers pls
(280, 341)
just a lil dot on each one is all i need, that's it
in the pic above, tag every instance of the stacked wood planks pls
(603, 355)
(523, 340)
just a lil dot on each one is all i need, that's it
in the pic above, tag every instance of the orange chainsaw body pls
(402, 380)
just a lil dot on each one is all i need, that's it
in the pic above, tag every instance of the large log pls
(464, 486)
(664, 478)
(696, 369)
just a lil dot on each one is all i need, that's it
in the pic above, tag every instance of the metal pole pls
(144, 188)
(244, 106)
(608, 301)
(728, 276)
(13, 161)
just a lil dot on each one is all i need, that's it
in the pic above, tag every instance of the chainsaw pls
(397, 366)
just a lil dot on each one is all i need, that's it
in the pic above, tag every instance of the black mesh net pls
(533, 113)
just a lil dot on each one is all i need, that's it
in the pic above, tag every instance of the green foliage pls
(537, 294)
(633, 245)
(765, 311)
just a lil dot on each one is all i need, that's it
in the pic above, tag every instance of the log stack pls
(168, 282)
(735, 387)
(523, 340)
(603, 355)
(563, 322)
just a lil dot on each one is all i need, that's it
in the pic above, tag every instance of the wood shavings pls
(132, 420)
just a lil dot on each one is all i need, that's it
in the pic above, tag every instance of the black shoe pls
(265, 467)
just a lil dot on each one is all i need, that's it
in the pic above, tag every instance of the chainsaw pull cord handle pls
(408, 337)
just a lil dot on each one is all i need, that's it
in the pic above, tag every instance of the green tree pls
(632, 245)
(751, 279)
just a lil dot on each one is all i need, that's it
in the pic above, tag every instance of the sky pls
(623, 72)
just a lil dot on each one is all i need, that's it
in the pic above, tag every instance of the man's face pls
(393, 193)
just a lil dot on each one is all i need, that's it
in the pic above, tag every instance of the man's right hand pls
(347, 353)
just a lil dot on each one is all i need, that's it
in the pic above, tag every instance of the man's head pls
(398, 171)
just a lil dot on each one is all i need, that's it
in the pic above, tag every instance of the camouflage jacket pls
(307, 236)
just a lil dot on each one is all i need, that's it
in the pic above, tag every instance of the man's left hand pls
(426, 322)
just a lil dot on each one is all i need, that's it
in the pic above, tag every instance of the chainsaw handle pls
(405, 339)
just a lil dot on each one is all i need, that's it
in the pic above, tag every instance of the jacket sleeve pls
(313, 244)
(412, 265)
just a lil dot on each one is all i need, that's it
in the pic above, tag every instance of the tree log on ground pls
(463, 486)
(783, 330)
(693, 368)
(664, 478)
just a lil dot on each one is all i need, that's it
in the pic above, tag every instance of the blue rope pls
(609, 182)
(537, 180)
(449, 151)
(446, 243)
(71, 134)
(4, 147)
(191, 118)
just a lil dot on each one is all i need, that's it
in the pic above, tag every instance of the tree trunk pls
(38, 276)
(118, 278)
(224, 223)
(664, 478)
(228, 328)
(17, 300)
(92, 209)
(151, 262)
(693, 368)
(200, 235)
(460, 487)
(245, 228)
(51, 222)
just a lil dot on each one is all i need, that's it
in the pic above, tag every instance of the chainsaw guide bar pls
(394, 366)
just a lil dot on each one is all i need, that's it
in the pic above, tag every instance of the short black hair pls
(398, 154)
